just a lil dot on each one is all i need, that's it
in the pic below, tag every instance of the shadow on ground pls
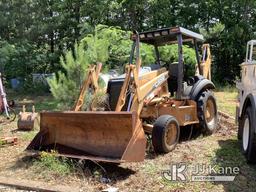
(229, 155)
(99, 172)
(24, 162)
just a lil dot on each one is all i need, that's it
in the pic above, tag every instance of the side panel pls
(247, 86)
(185, 114)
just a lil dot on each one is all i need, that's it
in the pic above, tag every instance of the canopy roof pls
(167, 36)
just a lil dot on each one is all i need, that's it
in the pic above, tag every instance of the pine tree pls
(65, 85)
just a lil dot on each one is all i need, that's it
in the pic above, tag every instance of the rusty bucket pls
(27, 120)
(100, 136)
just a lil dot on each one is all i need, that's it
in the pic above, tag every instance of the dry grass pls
(227, 100)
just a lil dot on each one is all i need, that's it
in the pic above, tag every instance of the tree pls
(42, 30)
(65, 85)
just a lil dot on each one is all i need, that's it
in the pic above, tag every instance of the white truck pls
(246, 108)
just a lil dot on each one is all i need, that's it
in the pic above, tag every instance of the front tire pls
(207, 112)
(248, 136)
(165, 134)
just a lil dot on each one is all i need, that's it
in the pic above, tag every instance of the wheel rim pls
(210, 112)
(246, 130)
(171, 134)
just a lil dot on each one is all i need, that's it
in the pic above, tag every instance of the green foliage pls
(29, 135)
(6, 52)
(214, 31)
(119, 45)
(65, 86)
(34, 34)
(147, 54)
(169, 54)
(50, 162)
(97, 45)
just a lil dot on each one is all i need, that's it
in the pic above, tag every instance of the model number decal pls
(159, 81)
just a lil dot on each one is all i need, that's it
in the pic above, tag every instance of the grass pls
(150, 168)
(229, 154)
(29, 135)
(49, 162)
(48, 104)
(44, 102)
(226, 100)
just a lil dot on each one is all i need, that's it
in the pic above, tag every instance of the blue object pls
(15, 83)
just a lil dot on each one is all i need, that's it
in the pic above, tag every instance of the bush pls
(50, 162)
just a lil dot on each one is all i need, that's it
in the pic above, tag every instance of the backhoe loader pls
(157, 103)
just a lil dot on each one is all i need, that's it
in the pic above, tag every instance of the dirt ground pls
(221, 149)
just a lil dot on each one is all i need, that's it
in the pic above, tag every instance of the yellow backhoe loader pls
(159, 103)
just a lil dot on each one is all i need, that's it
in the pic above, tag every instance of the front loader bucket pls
(100, 136)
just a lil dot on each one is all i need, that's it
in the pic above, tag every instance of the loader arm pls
(90, 80)
(156, 84)
(142, 87)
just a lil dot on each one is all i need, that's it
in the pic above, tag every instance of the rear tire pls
(207, 112)
(248, 136)
(165, 134)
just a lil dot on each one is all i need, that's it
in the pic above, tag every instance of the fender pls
(251, 98)
(200, 85)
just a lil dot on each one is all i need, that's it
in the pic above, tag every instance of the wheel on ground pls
(248, 136)
(207, 112)
(165, 134)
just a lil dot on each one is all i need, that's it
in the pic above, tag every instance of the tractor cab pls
(180, 83)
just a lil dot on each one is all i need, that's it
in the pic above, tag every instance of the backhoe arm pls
(206, 61)
(90, 80)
